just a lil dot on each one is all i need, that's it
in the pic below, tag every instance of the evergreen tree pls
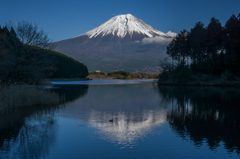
(179, 48)
(197, 40)
(214, 50)
(232, 44)
(214, 45)
(214, 38)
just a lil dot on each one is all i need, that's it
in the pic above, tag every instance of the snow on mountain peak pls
(121, 25)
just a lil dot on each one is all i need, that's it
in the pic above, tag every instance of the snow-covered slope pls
(122, 25)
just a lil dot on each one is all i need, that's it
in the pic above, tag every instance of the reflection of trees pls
(33, 140)
(29, 132)
(71, 92)
(12, 121)
(205, 114)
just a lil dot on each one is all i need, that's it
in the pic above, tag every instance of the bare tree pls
(166, 64)
(30, 34)
(19, 63)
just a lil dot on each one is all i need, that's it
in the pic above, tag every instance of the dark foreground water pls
(133, 120)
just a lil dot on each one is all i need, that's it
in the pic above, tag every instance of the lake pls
(126, 119)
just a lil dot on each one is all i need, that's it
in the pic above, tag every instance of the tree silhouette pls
(178, 49)
(232, 44)
(213, 50)
(197, 39)
(30, 34)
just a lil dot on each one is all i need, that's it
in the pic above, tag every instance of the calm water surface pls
(126, 119)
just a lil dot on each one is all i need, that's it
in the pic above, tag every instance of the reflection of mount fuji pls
(134, 117)
(126, 127)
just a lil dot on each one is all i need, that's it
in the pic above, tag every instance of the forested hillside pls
(22, 63)
(63, 65)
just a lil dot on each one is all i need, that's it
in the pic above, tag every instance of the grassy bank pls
(14, 97)
(121, 75)
(65, 79)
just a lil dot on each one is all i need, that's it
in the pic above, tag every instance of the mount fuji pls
(123, 43)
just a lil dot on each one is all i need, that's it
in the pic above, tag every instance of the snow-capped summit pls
(122, 25)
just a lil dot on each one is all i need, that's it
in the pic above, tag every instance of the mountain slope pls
(122, 43)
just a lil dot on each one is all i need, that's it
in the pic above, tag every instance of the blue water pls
(138, 120)
(102, 82)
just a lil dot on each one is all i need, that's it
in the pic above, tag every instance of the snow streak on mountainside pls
(122, 25)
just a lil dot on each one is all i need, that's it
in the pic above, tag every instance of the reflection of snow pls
(126, 128)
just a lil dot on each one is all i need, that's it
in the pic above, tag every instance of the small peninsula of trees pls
(204, 53)
(32, 60)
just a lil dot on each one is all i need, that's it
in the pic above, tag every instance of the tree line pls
(211, 50)
(26, 57)
(121, 75)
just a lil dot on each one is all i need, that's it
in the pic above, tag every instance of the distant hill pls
(64, 66)
(123, 43)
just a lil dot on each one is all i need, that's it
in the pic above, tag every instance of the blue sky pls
(63, 19)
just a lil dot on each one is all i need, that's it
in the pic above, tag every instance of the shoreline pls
(202, 83)
(66, 79)
(85, 79)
